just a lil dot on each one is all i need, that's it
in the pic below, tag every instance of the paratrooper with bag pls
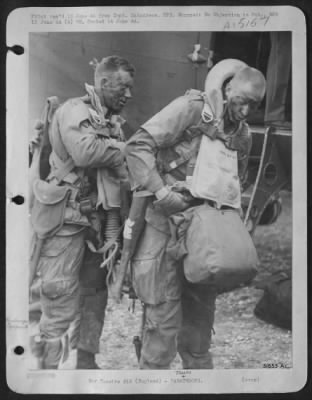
(191, 158)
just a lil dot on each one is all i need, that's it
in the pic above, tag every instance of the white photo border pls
(217, 18)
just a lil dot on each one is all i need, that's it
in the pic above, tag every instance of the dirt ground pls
(241, 340)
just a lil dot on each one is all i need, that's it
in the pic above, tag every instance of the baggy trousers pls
(194, 339)
(73, 297)
(59, 265)
(178, 316)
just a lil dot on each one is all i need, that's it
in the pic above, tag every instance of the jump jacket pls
(170, 135)
(78, 133)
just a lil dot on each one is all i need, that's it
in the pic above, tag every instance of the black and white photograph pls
(162, 165)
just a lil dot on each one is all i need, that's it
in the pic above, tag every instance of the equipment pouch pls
(179, 224)
(48, 212)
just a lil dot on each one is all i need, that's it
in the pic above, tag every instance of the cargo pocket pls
(58, 288)
(148, 266)
(60, 306)
(55, 246)
(55, 254)
(61, 258)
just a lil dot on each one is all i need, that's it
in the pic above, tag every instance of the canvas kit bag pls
(215, 247)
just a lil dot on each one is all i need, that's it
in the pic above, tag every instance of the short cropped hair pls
(112, 64)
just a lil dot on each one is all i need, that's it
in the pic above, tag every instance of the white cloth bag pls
(215, 175)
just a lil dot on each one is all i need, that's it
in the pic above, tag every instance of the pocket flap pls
(57, 288)
(56, 245)
(49, 193)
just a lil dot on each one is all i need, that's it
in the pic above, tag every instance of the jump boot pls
(86, 360)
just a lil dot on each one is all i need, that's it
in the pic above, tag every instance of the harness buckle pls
(85, 206)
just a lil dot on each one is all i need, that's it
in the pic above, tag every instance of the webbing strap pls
(180, 161)
(63, 167)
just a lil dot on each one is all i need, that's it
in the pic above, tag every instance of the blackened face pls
(116, 90)
(240, 107)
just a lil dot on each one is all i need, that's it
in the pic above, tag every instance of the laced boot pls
(86, 360)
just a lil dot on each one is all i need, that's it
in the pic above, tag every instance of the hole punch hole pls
(19, 350)
(16, 49)
(18, 200)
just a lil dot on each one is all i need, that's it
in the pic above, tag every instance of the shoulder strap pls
(63, 167)
(188, 135)
(205, 126)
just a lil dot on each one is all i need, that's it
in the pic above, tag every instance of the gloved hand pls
(172, 203)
